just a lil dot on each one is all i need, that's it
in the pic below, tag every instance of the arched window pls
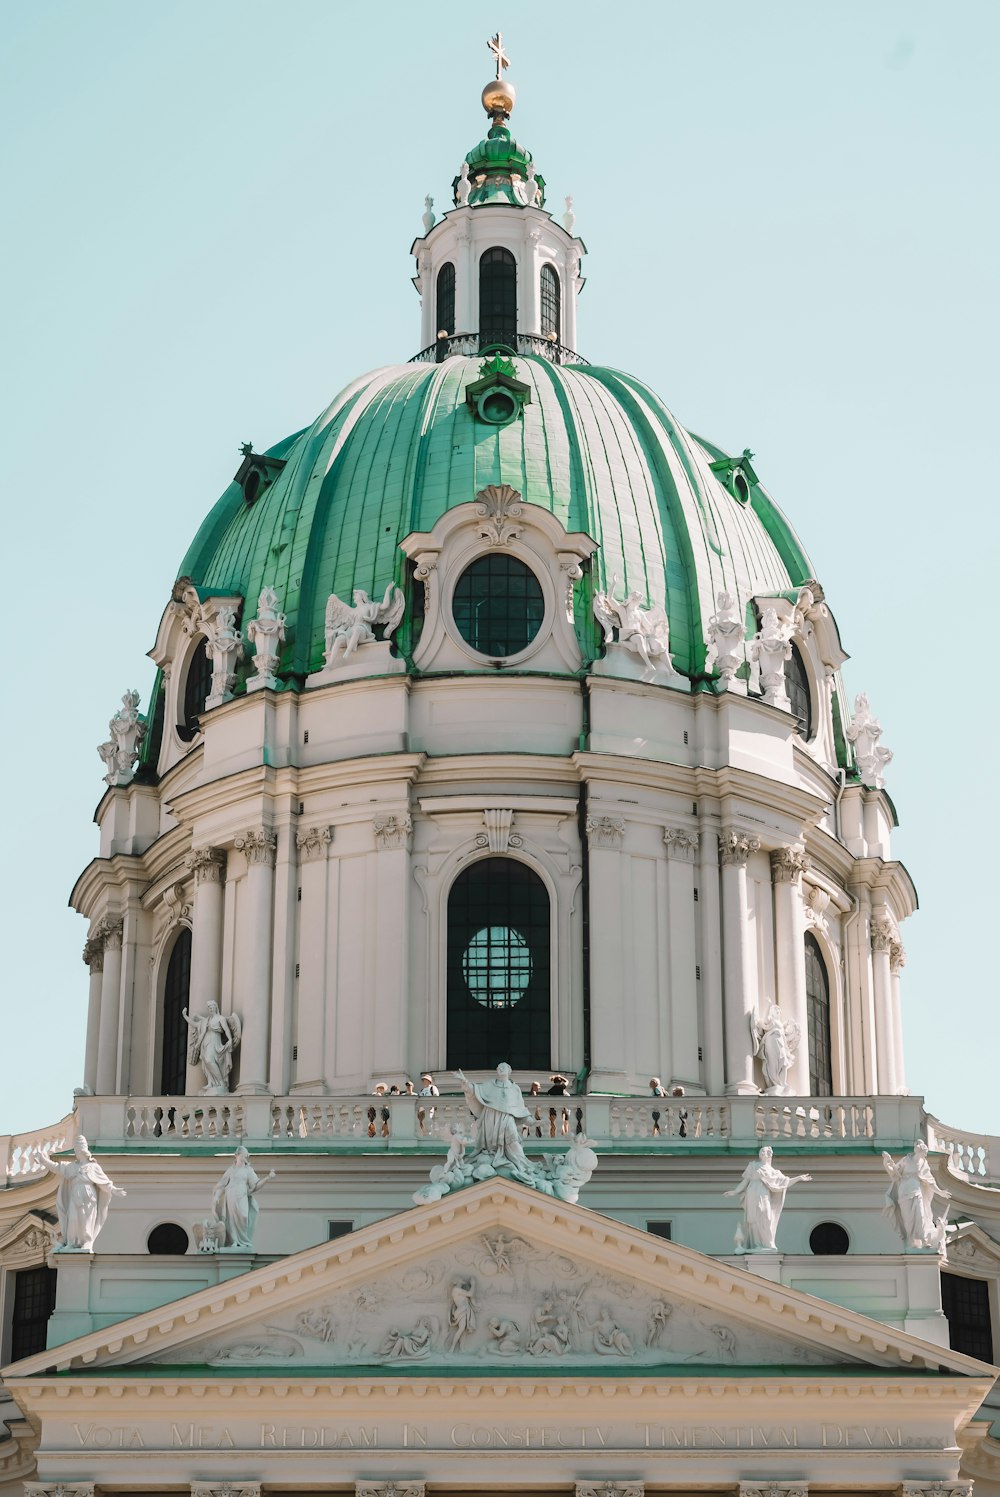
(818, 1019)
(174, 1034)
(551, 300)
(799, 693)
(445, 305)
(34, 1301)
(497, 297)
(197, 685)
(498, 967)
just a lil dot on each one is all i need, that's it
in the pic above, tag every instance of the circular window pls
(498, 606)
(497, 407)
(496, 965)
(829, 1240)
(168, 1237)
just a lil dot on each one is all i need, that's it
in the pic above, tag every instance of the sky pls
(791, 216)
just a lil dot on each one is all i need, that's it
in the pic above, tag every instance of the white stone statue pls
(83, 1198)
(910, 1197)
(428, 219)
(532, 187)
(498, 1107)
(776, 1041)
(209, 1234)
(348, 627)
(725, 638)
(763, 1190)
(225, 645)
(213, 1038)
(121, 752)
(864, 731)
(570, 1172)
(266, 633)
(234, 1201)
(463, 187)
(462, 1311)
(569, 217)
(644, 631)
(767, 652)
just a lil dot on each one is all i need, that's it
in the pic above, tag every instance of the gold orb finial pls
(499, 95)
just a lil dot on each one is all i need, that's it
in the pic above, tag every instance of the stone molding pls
(787, 865)
(498, 506)
(59, 1489)
(682, 845)
(208, 864)
(93, 952)
(773, 1489)
(936, 1489)
(258, 846)
(610, 1489)
(225, 1489)
(735, 848)
(392, 831)
(883, 932)
(389, 1489)
(312, 842)
(606, 831)
(498, 836)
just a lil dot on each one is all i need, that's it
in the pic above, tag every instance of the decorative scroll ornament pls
(936, 1489)
(312, 842)
(606, 831)
(266, 632)
(610, 1489)
(644, 631)
(735, 848)
(498, 836)
(767, 652)
(121, 752)
(213, 1039)
(226, 1489)
(391, 831)
(348, 627)
(259, 845)
(864, 731)
(910, 1199)
(498, 507)
(58, 1489)
(498, 1107)
(725, 640)
(776, 1041)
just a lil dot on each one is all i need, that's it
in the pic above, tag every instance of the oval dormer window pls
(197, 686)
(498, 606)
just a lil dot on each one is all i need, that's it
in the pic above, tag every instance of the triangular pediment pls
(499, 1279)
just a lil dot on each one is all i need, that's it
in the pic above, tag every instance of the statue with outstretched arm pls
(498, 1108)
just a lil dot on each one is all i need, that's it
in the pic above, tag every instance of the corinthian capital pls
(208, 864)
(735, 847)
(787, 865)
(389, 1489)
(93, 952)
(681, 845)
(59, 1489)
(260, 845)
(884, 932)
(897, 956)
(313, 841)
(610, 1488)
(773, 1489)
(110, 932)
(225, 1489)
(936, 1489)
(391, 831)
(606, 831)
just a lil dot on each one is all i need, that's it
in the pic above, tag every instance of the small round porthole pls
(741, 487)
(167, 1238)
(497, 406)
(829, 1240)
(251, 485)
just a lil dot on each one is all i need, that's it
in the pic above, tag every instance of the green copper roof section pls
(492, 163)
(400, 446)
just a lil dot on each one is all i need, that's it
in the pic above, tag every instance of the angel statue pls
(348, 627)
(776, 1041)
(910, 1199)
(644, 631)
(212, 1039)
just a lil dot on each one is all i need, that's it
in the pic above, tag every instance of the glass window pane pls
(34, 1301)
(818, 1019)
(550, 303)
(498, 297)
(498, 606)
(966, 1303)
(797, 686)
(174, 1038)
(446, 300)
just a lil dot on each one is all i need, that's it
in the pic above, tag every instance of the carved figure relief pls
(348, 627)
(644, 631)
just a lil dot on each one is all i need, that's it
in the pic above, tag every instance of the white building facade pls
(497, 718)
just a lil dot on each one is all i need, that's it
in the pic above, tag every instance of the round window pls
(498, 606)
(829, 1239)
(168, 1237)
(496, 965)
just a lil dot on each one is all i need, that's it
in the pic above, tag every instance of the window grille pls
(197, 685)
(34, 1301)
(497, 297)
(551, 302)
(498, 606)
(818, 1020)
(174, 1034)
(966, 1303)
(799, 693)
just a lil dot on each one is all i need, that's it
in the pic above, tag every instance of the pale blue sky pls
(792, 218)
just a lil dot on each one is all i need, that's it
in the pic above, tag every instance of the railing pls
(470, 344)
(631, 1124)
(974, 1155)
(20, 1152)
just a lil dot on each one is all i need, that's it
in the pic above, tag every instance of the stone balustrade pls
(19, 1152)
(973, 1155)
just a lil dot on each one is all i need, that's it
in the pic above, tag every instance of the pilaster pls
(109, 932)
(208, 865)
(93, 955)
(392, 906)
(313, 846)
(883, 931)
(787, 864)
(606, 836)
(259, 846)
(682, 858)
(735, 848)
(897, 961)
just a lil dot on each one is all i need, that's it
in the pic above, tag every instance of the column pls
(883, 931)
(389, 1032)
(710, 984)
(605, 835)
(110, 933)
(208, 864)
(260, 848)
(466, 282)
(529, 318)
(313, 846)
(682, 856)
(735, 848)
(93, 955)
(237, 1488)
(787, 864)
(897, 960)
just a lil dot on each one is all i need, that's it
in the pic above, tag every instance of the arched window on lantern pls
(498, 967)
(497, 298)
(551, 303)
(173, 1030)
(445, 308)
(799, 692)
(818, 1020)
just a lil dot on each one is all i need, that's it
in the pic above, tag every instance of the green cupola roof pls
(498, 171)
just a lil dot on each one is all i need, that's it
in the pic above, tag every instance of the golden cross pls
(495, 45)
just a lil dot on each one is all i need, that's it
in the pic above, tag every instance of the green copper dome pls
(495, 160)
(400, 446)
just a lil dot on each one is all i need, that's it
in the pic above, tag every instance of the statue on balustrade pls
(763, 1190)
(776, 1042)
(234, 1201)
(83, 1198)
(213, 1039)
(910, 1198)
(348, 627)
